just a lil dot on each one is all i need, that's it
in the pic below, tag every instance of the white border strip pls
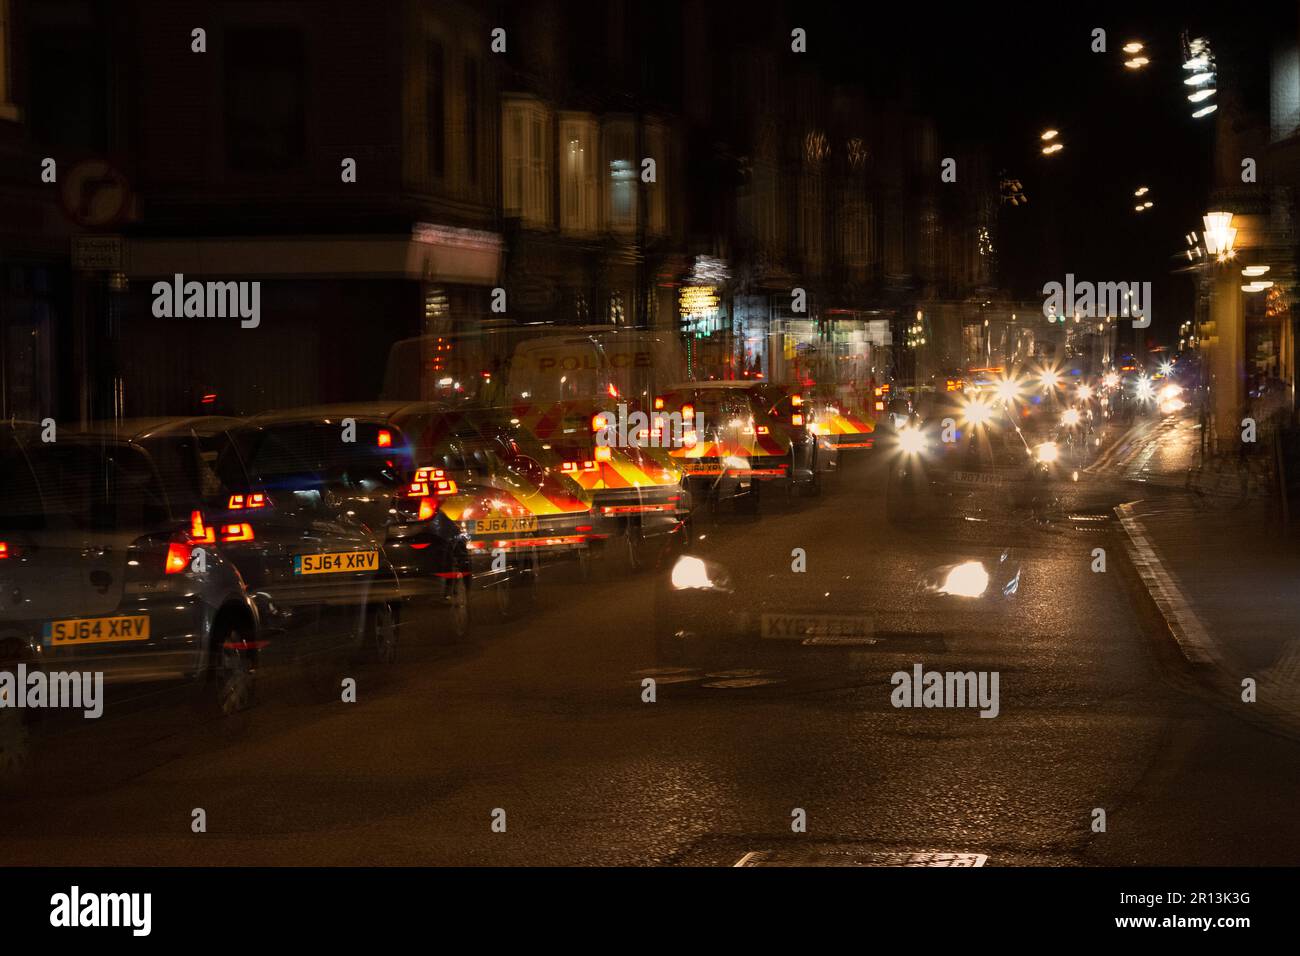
(1195, 642)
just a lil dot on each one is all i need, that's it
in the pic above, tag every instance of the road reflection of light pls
(968, 579)
(1171, 405)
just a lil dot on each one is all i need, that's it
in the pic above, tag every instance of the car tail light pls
(659, 403)
(569, 466)
(4, 549)
(198, 530)
(796, 419)
(429, 474)
(427, 509)
(796, 400)
(599, 421)
(880, 406)
(417, 489)
(237, 532)
(178, 557)
(763, 430)
(385, 438)
(688, 412)
(604, 453)
(240, 502)
(444, 486)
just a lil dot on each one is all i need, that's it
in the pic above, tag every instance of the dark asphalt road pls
(543, 717)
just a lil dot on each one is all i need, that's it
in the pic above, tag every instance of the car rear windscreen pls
(79, 485)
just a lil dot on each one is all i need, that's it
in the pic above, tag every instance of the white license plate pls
(799, 627)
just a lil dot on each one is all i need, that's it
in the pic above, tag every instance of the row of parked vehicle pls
(207, 547)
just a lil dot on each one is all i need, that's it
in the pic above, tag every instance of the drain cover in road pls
(855, 856)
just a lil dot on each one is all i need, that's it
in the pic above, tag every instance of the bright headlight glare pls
(968, 579)
(690, 573)
(977, 413)
(1047, 452)
(1070, 417)
(911, 441)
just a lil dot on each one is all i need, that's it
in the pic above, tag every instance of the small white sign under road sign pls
(97, 253)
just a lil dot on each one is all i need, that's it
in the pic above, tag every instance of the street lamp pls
(1219, 234)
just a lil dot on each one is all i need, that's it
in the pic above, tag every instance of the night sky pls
(1000, 74)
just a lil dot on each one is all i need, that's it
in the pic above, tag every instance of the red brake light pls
(178, 558)
(659, 403)
(199, 531)
(604, 453)
(4, 549)
(417, 489)
(385, 438)
(236, 502)
(569, 466)
(588, 466)
(237, 532)
(257, 501)
(688, 411)
(762, 430)
(796, 400)
(599, 421)
(444, 486)
(427, 509)
(796, 419)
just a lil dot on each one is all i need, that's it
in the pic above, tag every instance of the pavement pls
(1222, 574)
(542, 722)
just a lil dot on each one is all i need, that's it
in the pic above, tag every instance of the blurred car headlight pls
(1070, 417)
(911, 440)
(691, 573)
(1047, 452)
(977, 412)
(968, 579)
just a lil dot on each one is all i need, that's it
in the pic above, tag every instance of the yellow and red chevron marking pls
(512, 496)
(846, 424)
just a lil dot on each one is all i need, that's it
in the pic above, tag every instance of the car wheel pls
(669, 649)
(457, 602)
(228, 686)
(637, 549)
(15, 748)
(900, 497)
(383, 633)
(586, 566)
(748, 504)
(503, 596)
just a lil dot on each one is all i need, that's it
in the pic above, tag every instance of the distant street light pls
(1141, 191)
(1198, 61)
(1133, 46)
(1054, 148)
(1049, 134)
